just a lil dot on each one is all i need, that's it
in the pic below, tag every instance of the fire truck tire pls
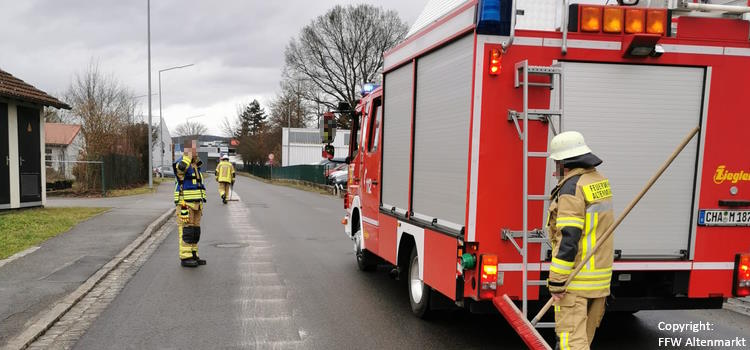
(419, 292)
(365, 260)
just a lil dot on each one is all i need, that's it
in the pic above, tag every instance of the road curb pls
(48, 318)
(20, 254)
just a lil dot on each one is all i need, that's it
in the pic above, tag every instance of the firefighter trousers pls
(224, 188)
(190, 231)
(576, 321)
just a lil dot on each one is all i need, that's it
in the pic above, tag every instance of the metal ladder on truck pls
(522, 72)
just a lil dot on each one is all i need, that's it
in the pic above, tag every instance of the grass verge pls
(136, 190)
(22, 229)
(143, 189)
(292, 184)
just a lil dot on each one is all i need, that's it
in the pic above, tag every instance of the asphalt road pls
(282, 275)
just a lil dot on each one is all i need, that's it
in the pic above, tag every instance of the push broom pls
(516, 319)
(231, 192)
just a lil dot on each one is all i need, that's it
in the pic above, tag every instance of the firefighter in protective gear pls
(225, 177)
(189, 196)
(580, 209)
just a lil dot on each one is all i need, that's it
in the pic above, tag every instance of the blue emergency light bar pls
(494, 17)
(368, 88)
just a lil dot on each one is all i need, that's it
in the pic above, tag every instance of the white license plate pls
(724, 218)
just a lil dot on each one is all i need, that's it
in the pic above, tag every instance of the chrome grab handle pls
(20, 160)
(506, 44)
(565, 14)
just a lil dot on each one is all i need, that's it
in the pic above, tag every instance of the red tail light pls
(495, 58)
(488, 279)
(741, 286)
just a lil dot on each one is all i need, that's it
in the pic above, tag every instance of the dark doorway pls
(29, 154)
(4, 157)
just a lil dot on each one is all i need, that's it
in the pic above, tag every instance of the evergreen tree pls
(252, 119)
(257, 118)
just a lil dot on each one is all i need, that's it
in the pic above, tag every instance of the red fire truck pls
(449, 173)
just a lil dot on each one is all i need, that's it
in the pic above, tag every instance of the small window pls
(374, 130)
(48, 157)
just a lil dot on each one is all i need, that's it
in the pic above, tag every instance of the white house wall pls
(42, 173)
(156, 154)
(14, 179)
(310, 153)
(15, 184)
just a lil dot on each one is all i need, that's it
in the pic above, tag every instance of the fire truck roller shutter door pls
(633, 116)
(398, 87)
(441, 136)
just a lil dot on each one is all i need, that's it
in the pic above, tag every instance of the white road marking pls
(266, 314)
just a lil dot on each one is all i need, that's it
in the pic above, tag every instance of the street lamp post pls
(150, 153)
(161, 116)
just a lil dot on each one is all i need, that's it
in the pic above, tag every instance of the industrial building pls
(302, 146)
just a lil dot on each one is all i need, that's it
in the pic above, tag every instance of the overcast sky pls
(237, 47)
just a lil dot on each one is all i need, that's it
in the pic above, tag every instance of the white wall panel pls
(633, 117)
(397, 136)
(441, 139)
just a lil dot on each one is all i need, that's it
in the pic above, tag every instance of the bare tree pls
(52, 115)
(342, 49)
(229, 127)
(290, 108)
(189, 128)
(104, 107)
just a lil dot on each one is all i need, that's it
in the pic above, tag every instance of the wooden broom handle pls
(607, 234)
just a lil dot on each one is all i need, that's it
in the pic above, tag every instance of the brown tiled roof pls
(15, 88)
(60, 134)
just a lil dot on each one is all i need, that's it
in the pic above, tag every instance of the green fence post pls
(104, 188)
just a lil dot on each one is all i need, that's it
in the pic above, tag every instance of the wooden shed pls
(22, 182)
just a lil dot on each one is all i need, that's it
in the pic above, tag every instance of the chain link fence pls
(309, 173)
(121, 171)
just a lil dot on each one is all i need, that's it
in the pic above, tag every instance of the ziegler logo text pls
(734, 177)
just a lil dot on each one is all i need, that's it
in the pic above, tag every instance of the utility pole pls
(150, 147)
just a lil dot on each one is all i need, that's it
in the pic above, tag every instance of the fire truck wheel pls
(365, 260)
(419, 292)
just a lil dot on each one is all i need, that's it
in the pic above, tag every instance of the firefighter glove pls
(184, 214)
(556, 287)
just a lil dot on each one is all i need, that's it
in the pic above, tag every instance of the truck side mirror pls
(328, 151)
(327, 128)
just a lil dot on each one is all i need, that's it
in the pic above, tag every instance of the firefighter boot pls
(189, 262)
(224, 198)
(197, 259)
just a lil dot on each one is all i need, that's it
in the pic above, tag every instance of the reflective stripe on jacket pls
(189, 181)
(581, 209)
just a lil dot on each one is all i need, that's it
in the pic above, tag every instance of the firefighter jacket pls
(225, 172)
(580, 211)
(189, 185)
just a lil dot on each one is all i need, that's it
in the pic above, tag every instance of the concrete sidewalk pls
(34, 282)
